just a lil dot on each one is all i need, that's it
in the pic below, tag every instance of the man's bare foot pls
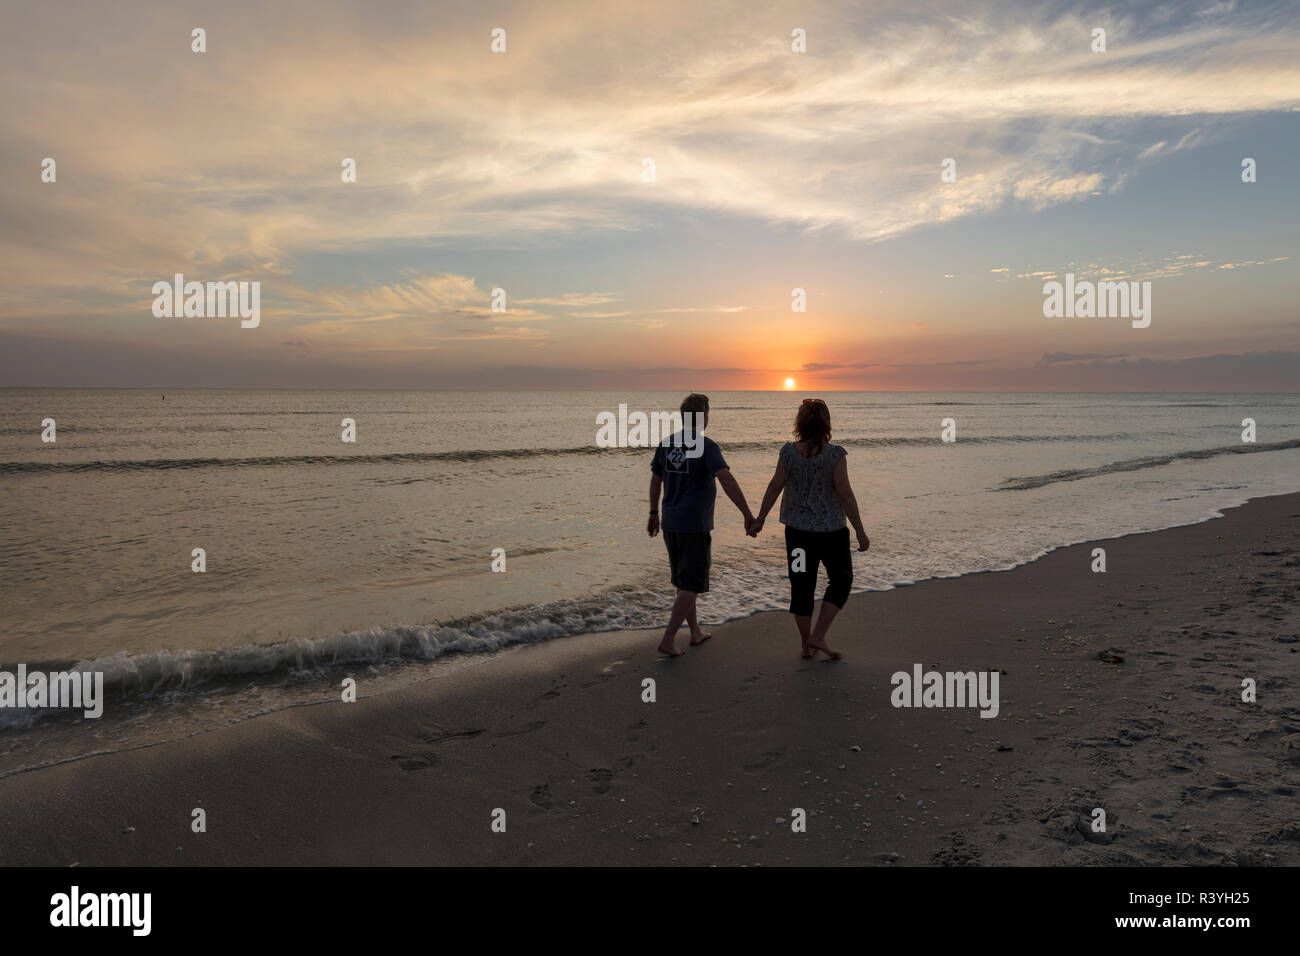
(826, 649)
(670, 648)
(699, 637)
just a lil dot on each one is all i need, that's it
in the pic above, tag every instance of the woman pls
(817, 498)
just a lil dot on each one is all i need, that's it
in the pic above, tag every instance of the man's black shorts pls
(689, 555)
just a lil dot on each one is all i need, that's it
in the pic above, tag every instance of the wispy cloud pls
(711, 308)
(1168, 267)
(828, 367)
(572, 299)
(1060, 358)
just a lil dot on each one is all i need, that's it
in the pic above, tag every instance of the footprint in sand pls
(413, 763)
(606, 672)
(955, 849)
(771, 757)
(535, 725)
(437, 736)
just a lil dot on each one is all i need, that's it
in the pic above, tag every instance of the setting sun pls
(789, 383)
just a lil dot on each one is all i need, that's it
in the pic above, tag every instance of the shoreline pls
(293, 648)
(556, 734)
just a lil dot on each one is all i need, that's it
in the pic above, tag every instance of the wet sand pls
(1119, 691)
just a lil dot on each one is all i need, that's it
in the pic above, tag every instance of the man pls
(686, 476)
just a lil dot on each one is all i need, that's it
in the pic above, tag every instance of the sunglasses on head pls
(813, 401)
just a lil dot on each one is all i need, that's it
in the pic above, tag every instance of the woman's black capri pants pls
(830, 548)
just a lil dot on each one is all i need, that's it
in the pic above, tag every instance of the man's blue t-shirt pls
(689, 486)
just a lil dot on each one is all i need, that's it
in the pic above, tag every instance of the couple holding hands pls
(818, 498)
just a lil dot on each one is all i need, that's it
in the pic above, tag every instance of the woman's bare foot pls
(826, 649)
(670, 648)
(699, 637)
(808, 653)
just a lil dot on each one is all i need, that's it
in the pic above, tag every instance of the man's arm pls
(732, 488)
(656, 486)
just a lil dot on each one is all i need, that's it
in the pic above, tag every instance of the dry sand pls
(743, 732)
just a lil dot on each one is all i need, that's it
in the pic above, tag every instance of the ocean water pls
(373, 559)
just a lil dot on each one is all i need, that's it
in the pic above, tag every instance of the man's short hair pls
(699, 404)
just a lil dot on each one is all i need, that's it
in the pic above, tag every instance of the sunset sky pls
(773, 170)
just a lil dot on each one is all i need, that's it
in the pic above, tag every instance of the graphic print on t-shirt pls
(675, 457)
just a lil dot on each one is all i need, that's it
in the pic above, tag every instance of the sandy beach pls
(1119, 690)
